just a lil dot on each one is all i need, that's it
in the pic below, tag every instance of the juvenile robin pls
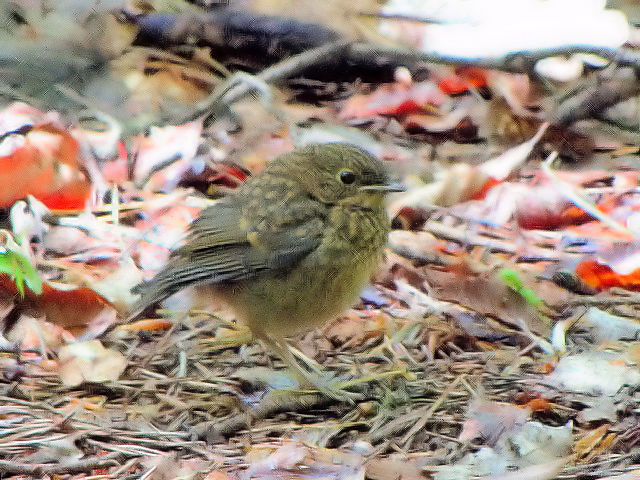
(291, 248)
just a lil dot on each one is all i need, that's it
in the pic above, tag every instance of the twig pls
(420, 424)
(397, 16)
(574, 196)
(280, 71)
(594, 100)
(395, 426)
(516, 62)
(41, 469)
(604, 301)
(465, 237)
(272, 403)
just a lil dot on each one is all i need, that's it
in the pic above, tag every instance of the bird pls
(290, 249)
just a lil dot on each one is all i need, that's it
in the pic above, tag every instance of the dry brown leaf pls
(488, 295)
(489, 420)
(89, 362)
(384, 469)
(33, 333)
(590, 441)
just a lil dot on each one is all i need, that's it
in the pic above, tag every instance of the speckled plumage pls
(292, 247)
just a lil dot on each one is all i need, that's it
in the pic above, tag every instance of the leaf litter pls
(498, 340)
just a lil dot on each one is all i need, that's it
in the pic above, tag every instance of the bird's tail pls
(153, 291)
(182, 272)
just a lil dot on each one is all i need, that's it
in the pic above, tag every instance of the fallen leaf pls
(78, 310)
(590, 440)
(574, 373)
(394, 99)
(165, 155)
(33, 333)
(602, 277)
(89, 362)
(462, 79)
(116, 286)
(542, 471)
(486, 294)
(490, 420)
(45, 163)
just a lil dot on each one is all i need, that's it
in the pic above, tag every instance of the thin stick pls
(41, 469)
(280, 71)
(420, 424)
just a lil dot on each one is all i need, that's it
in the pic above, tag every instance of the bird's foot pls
(313, 377)
(328, 385)
(310, 363)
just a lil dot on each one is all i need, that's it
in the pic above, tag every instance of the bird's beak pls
(384, 188)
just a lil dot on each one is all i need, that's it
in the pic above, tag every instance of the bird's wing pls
(218, 225)
(224, 247)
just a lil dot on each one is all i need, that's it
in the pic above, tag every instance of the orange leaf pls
(147, 325)
(602, 277)
(587, 443)
(539, 405)
(73, 310)
(463, 79)
(488, 185)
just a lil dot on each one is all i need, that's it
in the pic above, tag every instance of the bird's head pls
(342, 174)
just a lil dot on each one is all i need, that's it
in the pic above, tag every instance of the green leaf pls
(31, 275)
(530, 297)
(17, 275)
(21, 271)
(511, 279)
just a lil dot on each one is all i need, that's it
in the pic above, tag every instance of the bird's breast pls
(323, 284)
(359, 230)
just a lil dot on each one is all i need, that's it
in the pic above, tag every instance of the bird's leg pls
(314, 379)
(281, 349)
(309, 362)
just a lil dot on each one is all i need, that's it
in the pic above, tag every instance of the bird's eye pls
(347, 176)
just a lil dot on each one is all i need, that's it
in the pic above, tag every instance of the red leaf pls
(463, 79)
(46, 165)
(394, 99)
